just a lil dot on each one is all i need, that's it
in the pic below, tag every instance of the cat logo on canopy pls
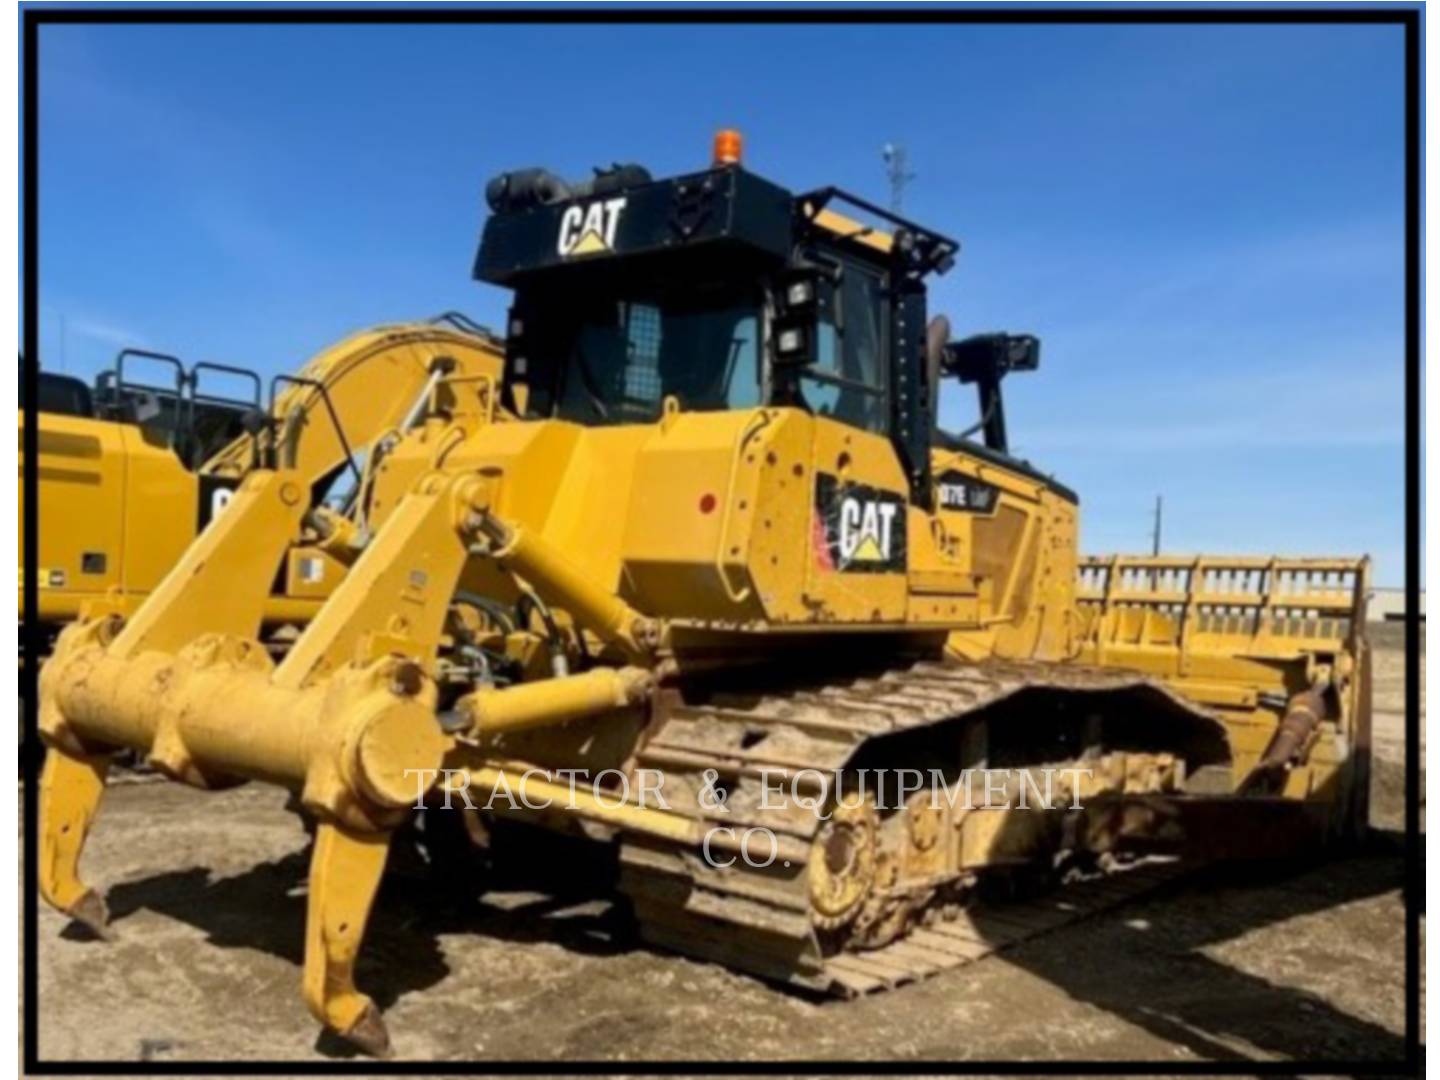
(589, 229)
(857, 528)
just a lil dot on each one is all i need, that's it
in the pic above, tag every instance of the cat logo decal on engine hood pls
(858, 528)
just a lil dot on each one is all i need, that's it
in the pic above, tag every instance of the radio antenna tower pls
(896, 167)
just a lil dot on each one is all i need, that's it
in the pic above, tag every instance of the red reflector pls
(707, 503)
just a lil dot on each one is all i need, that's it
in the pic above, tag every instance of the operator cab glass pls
(616, 358)
(848, 379)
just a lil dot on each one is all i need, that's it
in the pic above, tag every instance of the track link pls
(731, 741)
(977, 932)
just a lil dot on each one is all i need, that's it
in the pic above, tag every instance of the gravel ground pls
(1277, 963)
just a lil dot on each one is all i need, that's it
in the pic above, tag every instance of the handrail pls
(323, 390)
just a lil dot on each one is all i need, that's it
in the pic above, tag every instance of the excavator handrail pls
(224, 369)
(110, 385)
(147, 354)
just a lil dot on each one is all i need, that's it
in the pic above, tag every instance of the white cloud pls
(105, 333)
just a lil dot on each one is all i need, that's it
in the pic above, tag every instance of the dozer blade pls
(1275, 646)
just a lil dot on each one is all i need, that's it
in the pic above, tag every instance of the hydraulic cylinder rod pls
(529, 555)
(555, 701)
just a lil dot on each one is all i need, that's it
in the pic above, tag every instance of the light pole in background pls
(896, 168)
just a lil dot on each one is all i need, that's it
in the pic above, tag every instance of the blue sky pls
(1204, 224)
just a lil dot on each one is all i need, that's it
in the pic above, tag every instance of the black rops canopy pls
(723, 214)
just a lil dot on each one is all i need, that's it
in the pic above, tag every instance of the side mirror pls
(1022, 352)
(984, 360)
(990, 357)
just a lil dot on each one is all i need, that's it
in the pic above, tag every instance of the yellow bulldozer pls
(696, 576)
(133, 467)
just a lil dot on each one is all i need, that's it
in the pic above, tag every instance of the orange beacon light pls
(727, 147)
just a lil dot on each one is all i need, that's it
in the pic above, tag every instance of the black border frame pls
(1407, 17)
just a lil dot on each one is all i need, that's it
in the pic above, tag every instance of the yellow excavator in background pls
(700, 572)
(130, 471)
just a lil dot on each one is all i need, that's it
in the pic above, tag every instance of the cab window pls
(620, 357)
(848, 380)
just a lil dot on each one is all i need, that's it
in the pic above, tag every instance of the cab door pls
(859, 496)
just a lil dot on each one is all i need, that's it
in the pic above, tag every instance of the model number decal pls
(858, 528)
(956, 491)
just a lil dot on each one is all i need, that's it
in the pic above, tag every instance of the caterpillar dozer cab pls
(133, 468)
(703, 537)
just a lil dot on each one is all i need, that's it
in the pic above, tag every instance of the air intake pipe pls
(523, 189)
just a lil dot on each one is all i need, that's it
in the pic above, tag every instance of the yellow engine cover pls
(773, 520)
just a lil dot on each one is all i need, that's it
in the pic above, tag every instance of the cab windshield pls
(614, 360)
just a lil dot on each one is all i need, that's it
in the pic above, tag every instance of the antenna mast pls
(896, 168)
